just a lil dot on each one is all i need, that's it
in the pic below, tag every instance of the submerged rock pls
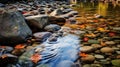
(42, 35)
(52, 27)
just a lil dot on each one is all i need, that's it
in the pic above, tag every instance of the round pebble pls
(106, 50)
(86, 49)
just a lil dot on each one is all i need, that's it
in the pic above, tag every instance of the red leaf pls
(111, 34)
(85, 39)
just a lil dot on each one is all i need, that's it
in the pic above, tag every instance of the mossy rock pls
(93, 41)
(116, 62)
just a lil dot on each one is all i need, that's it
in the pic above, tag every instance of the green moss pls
(116, 62)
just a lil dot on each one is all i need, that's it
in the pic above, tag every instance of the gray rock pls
(38, 21)
(52, 28)
(42, 35)
(52, 39)
(14, 30)
(56, 12)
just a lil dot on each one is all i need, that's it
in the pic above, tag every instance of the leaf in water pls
(35, 57)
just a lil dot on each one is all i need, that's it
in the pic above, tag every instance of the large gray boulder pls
(38, 21)
(13, 28)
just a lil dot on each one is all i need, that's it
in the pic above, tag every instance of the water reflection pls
(105, 9)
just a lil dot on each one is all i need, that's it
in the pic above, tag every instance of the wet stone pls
(116, 62)
(106, 50)
(118, 46)
(118, 52)
(87, 65)
(96, 46)
(99, 56)
(96, 65)
(97, 51)
(110, 42)
(86, 49)
(104, 61)
(115, 48)
(88, 59)
(93, 41)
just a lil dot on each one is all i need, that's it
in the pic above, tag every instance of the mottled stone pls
(96, 65)
(106, 50)
(99, 56)
(96, 46)
(86, 49)
(110, 42)
(118, 52)
(115, 48)
(87, 65)
(88, 59)
(116, 62)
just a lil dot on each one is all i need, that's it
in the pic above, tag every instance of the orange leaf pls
(35, 57)
(95, 21)
(19, 46)
(83, 55)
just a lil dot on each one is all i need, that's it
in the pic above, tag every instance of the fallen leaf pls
(83, 54)
(35, 57)
(20, 46)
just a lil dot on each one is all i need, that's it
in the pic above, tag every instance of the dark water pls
(104, 9)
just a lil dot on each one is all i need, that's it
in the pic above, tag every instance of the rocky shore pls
(52, 34)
